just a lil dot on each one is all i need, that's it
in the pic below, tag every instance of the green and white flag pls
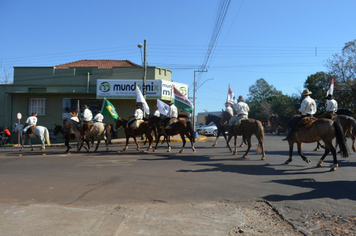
(181, 101)
(109, 109)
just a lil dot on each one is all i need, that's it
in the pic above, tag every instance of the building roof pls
(102, 64)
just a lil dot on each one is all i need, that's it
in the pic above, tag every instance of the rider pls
(31, 121)
(98, 117)
(228, 109)
(74, 116)
(87, 115)
(172, 114)
(157, 113)
(330, 107)
(242, 110)
(307, 108)
(138, 115)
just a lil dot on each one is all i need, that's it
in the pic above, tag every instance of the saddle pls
(306, 123)
(136, 124)
(238, 123)
(31, 130)
(88, 126)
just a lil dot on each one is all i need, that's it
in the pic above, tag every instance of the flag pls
(231, 97)
(141, 99)
(181, 101)
(163, 108)
(331, 88)
(78, 110)
(109, 110)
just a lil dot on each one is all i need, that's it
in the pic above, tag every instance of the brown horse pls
(67, 135)
(321, 129)
(247, 128)
(347, 123)
(97, 130)
(143, 129)
(181, 127)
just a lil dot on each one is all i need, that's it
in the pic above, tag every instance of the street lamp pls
(144, 66)
(194, 94)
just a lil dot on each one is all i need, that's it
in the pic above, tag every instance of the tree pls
(5, 75)
(318, 84)
(343, 68)
(261, 90)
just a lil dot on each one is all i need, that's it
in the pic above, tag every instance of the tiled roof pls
(102, 64)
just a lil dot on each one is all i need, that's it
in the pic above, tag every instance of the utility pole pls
(144, 69)
(194, 94)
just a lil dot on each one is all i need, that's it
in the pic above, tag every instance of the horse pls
(143, 129)
(347, 123)
(247, 127)
(181, 127)
(67, 135)
(72, 126)
(97, 129)
(221, 129)
(39, 131)
(321, 129)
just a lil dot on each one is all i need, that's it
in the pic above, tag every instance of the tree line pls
(265, 100)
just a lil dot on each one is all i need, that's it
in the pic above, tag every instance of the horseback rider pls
(98, 117)
(172, 115)
(330, 107)
(30, 122)
(74, 116)
(157, 113)
(138, 115)
(242, 110)
(307, 108)
(228, 109)
(86, 116)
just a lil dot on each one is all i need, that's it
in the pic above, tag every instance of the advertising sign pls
(125, 89)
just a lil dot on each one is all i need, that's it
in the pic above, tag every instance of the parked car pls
(210, 129)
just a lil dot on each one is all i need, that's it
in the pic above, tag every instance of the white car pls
(210, 129)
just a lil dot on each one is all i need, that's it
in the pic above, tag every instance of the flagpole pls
(102, 105)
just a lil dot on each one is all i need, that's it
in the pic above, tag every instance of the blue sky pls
(280, 41)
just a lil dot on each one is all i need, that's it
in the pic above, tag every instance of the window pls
(37, 105)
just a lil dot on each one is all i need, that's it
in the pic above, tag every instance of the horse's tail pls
(47, 137)
(260, 135)
(191, 130)
(341, 139)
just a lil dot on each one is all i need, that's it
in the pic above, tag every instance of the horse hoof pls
(263, 158)
(319, 164)
(288, 161)
(234, 153)
(308, 161)
(181, 151)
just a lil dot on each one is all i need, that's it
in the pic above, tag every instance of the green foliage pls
(318, 84)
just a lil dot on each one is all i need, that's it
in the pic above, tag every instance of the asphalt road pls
(94, 193)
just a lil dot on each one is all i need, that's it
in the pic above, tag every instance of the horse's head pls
(16, 128)
(57, 129)
(120, 122)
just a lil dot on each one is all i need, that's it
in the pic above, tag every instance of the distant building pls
(55, 91)
(201, 117)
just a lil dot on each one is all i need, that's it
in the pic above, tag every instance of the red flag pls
(331, 88)
(231, 97)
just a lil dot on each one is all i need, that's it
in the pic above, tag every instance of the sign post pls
(19, 116)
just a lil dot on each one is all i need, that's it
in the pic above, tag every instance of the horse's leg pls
(321, 161)
(299, 146)
(248, 146)
(228, 142)
(291, 144)
(235, 145)
(127, 142)
(22, 143)
(150, 140)
(29, 142)
(330, 148)
(97, 143)
(242, 143)
(137, 145)
(183, 141)
(216, 140)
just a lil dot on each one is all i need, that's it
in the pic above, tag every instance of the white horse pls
(40, 131)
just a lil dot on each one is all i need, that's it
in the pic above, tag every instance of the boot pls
(289, 136)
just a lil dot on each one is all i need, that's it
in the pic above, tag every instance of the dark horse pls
(221, 129)
(181, 127)
(144, 129)
(68, 135)
(247, 128)
(321, 129)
